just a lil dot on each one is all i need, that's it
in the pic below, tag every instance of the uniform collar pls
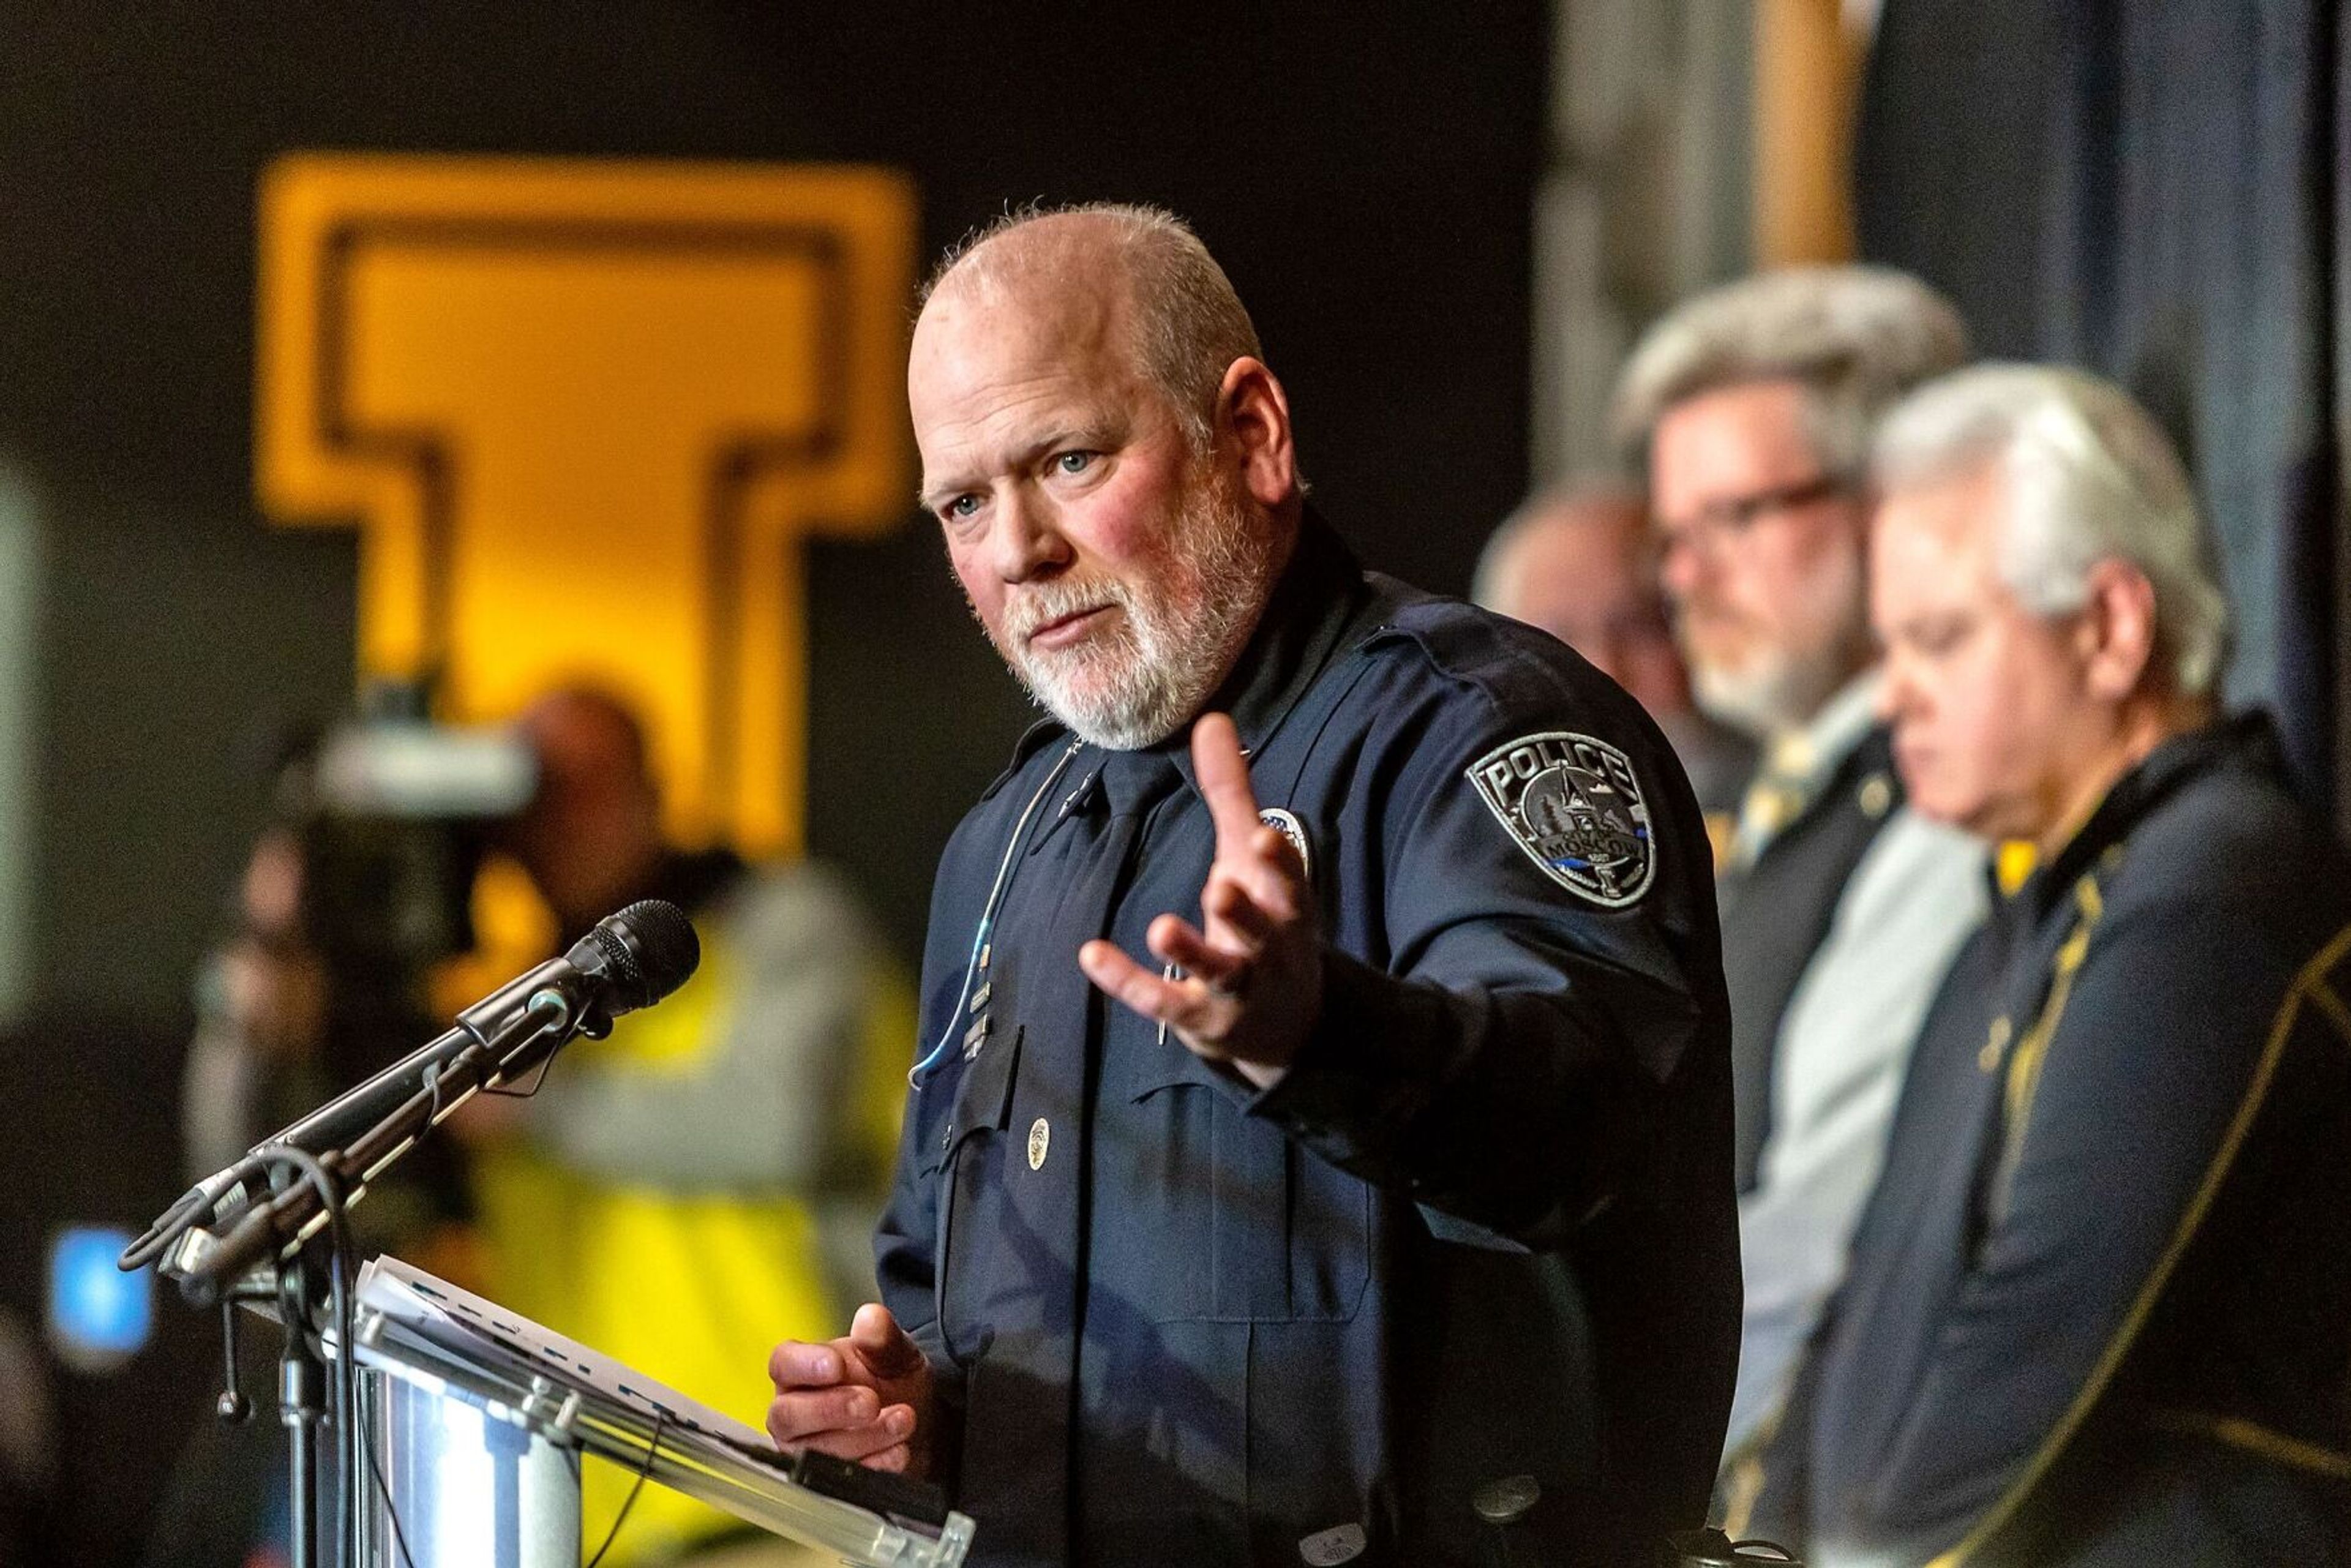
(1316, 602)
(2246, 740)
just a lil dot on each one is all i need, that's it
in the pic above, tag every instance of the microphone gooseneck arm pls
(629, 960)
(285, 1220)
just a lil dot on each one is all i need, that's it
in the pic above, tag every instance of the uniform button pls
(1508, 1500)
(1329, 1548)
(1041, 1140)
(1876, 795)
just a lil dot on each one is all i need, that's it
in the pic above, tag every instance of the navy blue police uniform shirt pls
(2099, 1307)
(1477, 1250)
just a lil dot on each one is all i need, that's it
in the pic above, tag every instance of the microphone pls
(630, 960)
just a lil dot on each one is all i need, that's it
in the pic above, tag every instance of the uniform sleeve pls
(2144, 1086)
(1506, 1056)
(905, 1272)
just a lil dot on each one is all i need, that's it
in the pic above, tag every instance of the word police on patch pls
(1573, 804)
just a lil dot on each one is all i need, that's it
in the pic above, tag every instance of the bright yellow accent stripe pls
(2310, 979)
(2255, 1438)
(2012, 864)
(2332, 1006)
(2024, 1067)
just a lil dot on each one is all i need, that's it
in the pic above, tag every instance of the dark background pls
(1364, 173)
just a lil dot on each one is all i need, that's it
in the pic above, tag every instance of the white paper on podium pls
(409, 1295)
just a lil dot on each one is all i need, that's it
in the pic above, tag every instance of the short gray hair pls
(1854, 338)
(2090, 477)
(1189, 324)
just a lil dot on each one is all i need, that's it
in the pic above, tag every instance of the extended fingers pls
(1222, 775)
(1130, 984)
(1264, 865)
(1219, 966)
(1253, 896)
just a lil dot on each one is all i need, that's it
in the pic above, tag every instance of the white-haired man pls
(1840, 908)
(1384, 1213)
(1580, 562)
(2099, 1308)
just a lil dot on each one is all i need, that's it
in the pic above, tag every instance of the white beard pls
(1136, 683)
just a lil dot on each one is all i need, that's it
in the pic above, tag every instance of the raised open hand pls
(1251, 985)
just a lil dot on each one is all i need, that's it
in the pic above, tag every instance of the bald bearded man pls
(1319, 1144)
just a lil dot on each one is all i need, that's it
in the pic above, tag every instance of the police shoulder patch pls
(1574, 805)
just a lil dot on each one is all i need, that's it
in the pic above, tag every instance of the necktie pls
(1782, 786)
(1018, 1426)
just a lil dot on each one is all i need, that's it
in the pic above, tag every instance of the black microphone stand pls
(631, 960)
(267, 1252)
(302, 1375)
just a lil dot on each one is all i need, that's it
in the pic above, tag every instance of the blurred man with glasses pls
(1752, 407)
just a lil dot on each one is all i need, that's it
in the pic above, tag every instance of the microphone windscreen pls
(663, 944)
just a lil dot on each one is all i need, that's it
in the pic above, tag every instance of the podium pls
(474, 1422)
(467, 1424)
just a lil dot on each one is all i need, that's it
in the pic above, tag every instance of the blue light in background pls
(98, 1316)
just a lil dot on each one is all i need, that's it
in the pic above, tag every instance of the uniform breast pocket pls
(1244, 1226)
(970, 1204)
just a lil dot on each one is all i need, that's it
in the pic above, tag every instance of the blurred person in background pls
(298, 1004)
(1580, 562)
(708, 1177)
(1752, 406)
(2099, 1310)
(307, 994)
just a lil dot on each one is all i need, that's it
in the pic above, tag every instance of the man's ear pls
(2118, 629)
(1253, 423)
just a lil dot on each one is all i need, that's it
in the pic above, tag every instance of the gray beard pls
(1140, 683)
(1773, 695)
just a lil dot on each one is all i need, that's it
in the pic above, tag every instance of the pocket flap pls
(982, 1097)
(1136, 1073)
